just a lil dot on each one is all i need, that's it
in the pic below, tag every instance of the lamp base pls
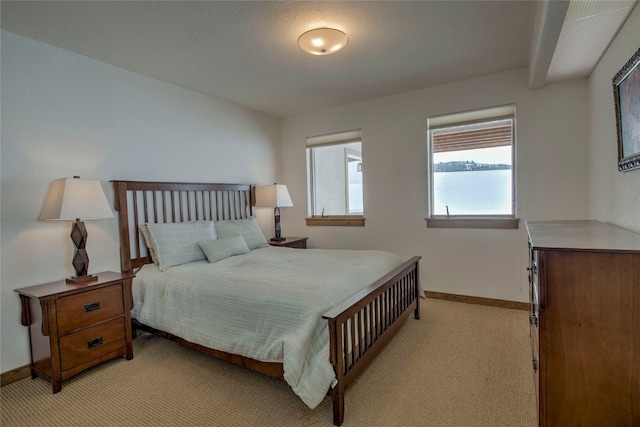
(278, 239)
(77, 280)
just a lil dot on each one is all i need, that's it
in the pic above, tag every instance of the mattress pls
(266, 304)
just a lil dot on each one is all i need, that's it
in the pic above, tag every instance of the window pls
(472, 169)
(334, 177)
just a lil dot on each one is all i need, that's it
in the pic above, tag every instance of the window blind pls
(473, 116)
(467, 137)
(335, 138)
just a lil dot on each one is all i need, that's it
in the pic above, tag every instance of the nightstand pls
(291, 242)
(73, 327)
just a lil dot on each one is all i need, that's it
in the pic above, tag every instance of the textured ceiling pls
(589, 26)
(246, 51)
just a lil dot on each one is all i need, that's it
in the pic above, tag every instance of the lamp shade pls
(273, 196)
(75, 198)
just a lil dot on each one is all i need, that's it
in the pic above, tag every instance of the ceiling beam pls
(550, 16)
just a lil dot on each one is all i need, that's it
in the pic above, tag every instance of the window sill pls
(496, 222)
(336, 221)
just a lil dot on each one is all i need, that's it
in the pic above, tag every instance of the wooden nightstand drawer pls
(84, 309)
(88, 344)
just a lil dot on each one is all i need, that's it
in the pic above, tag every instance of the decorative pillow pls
(177, 243)
(217, 250)
(248, 228)
(147, 239)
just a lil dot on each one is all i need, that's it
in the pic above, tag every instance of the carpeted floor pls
(460, 365)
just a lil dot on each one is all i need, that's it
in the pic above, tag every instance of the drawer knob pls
(92, 306)
(94, 342)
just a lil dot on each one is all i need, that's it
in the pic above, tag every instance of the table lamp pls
(274, 196)
(75, 199)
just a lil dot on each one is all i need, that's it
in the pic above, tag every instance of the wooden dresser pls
(73, 327)
(584, 280)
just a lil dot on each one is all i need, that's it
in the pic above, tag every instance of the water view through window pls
(473, 182)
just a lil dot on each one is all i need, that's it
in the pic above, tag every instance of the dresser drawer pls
(77, 311)
(83, 346)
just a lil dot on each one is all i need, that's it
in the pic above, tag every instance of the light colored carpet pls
(460, 365)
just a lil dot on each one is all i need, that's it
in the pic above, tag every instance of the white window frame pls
(466, 118)
(335, 139)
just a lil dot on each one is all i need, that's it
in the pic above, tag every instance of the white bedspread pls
(266, 304)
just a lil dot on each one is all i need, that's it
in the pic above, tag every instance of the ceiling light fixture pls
(323, 41)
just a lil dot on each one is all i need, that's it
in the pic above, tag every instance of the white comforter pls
(266, 304)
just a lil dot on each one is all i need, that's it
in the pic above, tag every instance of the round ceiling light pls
(323, 41)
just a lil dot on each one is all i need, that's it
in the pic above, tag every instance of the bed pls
(316, 339)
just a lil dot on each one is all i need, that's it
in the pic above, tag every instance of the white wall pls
(614, 196)
(551, 174)
(64, 114)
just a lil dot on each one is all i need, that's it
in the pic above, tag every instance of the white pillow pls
(248, 228)
(222, 248)
(149, 242)
(177, 243)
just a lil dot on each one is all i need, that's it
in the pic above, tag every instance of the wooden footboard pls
(361, 326)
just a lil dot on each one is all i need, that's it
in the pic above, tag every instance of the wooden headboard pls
(140, 202)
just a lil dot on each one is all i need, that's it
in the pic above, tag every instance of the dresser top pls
(582, 235)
